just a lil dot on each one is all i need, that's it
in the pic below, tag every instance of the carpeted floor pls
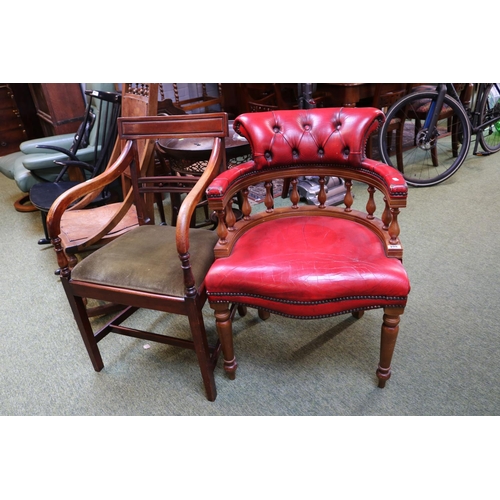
(445, 363)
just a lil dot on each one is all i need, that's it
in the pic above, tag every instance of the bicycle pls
(435, 130)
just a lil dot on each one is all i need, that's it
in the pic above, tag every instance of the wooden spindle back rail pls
(386, 223)
(323, 143)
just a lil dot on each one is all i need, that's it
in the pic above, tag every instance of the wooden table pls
(347, 94)
(350, 94)
(190, 156)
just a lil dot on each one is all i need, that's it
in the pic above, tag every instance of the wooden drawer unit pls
(59, 106)
(12, 131)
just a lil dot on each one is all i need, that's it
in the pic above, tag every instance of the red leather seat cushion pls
(309, 267)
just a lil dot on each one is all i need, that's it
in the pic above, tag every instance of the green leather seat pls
(31, 165)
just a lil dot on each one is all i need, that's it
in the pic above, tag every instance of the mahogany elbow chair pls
(309, 261)
(151, 266)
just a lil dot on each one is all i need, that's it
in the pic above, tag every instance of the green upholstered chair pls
(32, 164)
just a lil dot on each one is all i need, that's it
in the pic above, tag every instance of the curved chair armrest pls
(194, 196)
(389, 180)
(188, 206)
(81, 190)
(74, 163)
(220, 187)
(43, 160)
(62, 141)
(66, 164)
(65, 151)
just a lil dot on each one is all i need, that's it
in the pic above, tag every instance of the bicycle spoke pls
(425, 159)
(490, 108)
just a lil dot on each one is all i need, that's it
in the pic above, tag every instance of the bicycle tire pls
(430, 162)
(489, 138)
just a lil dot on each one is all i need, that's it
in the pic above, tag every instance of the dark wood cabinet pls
(60, 107)
(12, 130)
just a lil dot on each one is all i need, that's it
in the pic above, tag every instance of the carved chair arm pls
(385, 224)
(387, 179)
(44, 159)
(214, 166)
(67, 164)
(63, 141)
(79, 191)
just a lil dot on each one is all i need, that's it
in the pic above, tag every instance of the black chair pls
(99, 128)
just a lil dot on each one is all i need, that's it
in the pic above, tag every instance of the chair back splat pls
(309, 260)
(151, 266)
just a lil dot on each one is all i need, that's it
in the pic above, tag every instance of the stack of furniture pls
(31, 164)
(12, 131)
(60, 107)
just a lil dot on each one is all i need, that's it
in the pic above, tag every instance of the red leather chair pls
(309, 261)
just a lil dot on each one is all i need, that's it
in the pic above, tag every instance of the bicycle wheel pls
(490, 108)
(425, 158)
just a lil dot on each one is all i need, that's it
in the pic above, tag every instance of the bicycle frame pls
(435, 108)
(472, 111)
(434, 127)
(475, 127)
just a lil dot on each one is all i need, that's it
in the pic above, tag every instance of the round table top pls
(205, 144)
(200, 143)
(191, 155)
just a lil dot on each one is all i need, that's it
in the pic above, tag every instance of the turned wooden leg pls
(390, 329)
(202, 351)
(242, 310)
(264, 314)
(82, 320)
(225, 332)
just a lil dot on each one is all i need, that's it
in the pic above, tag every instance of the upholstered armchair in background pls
(32, 164)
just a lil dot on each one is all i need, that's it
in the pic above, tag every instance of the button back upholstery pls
(309, 261)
